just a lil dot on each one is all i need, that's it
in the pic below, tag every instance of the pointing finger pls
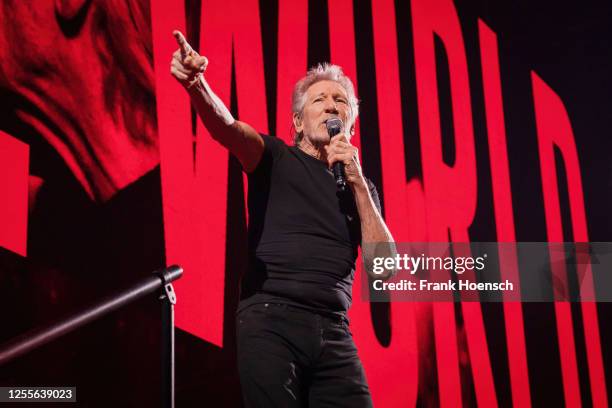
(182, 42)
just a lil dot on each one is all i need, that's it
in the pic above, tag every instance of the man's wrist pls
(195, 85)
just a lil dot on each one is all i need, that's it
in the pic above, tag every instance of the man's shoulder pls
(274, 146)
(273, 140)
(274, 149)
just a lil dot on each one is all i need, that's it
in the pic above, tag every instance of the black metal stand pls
(150, 284)
(168, 298)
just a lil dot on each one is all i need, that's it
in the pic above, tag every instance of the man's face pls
(324, 100)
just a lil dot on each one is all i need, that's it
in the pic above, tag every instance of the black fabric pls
(290, 357)
(303, 234)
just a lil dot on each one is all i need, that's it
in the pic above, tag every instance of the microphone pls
(334, 126)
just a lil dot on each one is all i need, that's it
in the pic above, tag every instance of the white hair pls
(323, 72)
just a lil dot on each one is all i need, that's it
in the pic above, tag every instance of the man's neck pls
(315, 150)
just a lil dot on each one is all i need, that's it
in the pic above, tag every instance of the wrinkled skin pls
(79, 75)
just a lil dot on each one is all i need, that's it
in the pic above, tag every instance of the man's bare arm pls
(376, 239)
(239, 138)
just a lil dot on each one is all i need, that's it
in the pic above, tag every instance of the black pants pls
(290, 357)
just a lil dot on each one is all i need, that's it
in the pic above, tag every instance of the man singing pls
(294, 345)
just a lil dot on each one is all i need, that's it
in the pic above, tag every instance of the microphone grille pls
(334, 126)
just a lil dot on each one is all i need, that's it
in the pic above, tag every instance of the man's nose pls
(331, 107)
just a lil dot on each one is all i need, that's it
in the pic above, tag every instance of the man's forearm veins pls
(208, 105)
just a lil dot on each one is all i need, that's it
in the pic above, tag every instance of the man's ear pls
(352, 131)
(298, 123)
